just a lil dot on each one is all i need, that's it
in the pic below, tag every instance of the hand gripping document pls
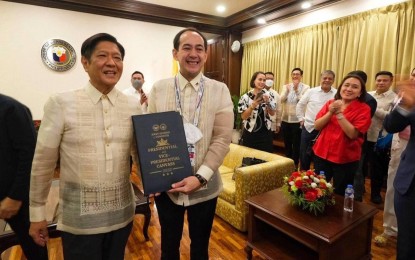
(162, 150)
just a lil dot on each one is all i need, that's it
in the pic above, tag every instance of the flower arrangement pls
(308, 190)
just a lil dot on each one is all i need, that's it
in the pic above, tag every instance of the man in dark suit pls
(402, 116)
(17, 146)
(367, 149)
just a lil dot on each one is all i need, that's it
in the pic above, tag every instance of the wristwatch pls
(339, 116)
(201, 179)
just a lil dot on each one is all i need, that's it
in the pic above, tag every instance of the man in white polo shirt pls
(136, 90)
(307, 108)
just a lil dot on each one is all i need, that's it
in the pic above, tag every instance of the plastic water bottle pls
(349, 198)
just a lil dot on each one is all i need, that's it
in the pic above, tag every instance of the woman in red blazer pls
(342, 122)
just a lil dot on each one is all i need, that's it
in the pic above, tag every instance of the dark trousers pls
(291, 133)
(306, 138)
(342, 174)
(380, 164)
(20, 224)
(405, 215)
(367, 162)
(363, 169)
(260, 140)
(200, 219)
(102, 246)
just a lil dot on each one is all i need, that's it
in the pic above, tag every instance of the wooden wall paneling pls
(214, 67)
(233, 64)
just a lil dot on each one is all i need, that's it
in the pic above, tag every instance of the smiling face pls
(191, 54)
(326, 82)
(104, 67)
(383, 83)
(260, 81)
(351, 89)
(296, 76)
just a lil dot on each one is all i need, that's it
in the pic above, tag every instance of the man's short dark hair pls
(89, 44)
(300, 70)
(384, 72)
(359, 73)
(176, 40)
(253, 78)
(330, 72)
(269, 73)
(137, 72)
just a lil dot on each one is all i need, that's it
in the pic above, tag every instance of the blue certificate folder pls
(162, 150)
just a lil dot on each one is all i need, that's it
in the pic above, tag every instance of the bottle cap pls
(349, 186)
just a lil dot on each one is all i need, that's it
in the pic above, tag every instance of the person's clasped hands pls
(336, 107)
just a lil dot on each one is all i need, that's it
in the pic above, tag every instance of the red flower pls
(311, 195)
(308, 190)
(296, 174)
(309, 173)
(298, 183)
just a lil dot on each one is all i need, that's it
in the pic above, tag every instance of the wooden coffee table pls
(278, 230)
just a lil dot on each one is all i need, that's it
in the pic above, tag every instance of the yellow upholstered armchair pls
(248, 181)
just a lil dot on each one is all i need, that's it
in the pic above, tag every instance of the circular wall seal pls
(58, 55)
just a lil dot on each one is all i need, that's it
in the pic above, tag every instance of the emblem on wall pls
(58, 55)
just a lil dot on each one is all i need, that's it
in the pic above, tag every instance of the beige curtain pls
(380, 39)
(174, 67)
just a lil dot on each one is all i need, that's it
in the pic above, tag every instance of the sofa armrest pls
(256, 179)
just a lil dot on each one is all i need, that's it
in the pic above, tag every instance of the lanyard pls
(198, 100)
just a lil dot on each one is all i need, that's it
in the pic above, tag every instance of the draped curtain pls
(380, 39)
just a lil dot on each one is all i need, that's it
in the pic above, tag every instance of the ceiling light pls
(261, 21)
(220, 8)
(306, 5)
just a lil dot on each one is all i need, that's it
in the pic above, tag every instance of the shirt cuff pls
(402, 111)
(205, 172)
(37, 214)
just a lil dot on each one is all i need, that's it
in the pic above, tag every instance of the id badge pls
(192, 153)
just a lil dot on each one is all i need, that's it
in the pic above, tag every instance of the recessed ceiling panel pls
(206, 6)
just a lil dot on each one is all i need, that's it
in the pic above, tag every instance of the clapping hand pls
(407, 94)
(296, 83)
(336, 106)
